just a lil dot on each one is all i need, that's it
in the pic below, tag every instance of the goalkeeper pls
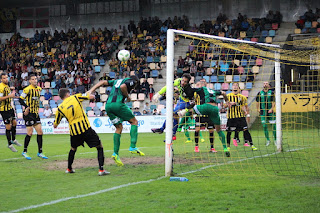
(185, 94)
(265, 105)
(209, 108)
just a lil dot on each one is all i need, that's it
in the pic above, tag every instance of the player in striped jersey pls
(31, 115)
(237, 112)
(80, 129)
(7, 112)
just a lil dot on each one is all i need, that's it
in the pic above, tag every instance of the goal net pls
(286, 138)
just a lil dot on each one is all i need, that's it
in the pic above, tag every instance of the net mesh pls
(250, 64)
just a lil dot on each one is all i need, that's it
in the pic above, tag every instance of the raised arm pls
(99, 84)
(124, 91)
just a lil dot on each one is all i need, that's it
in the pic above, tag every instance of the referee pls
(237, 112)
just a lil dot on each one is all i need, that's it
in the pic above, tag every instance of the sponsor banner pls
(99, 124)
(300, 102)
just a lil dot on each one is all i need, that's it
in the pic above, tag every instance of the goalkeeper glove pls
(183, 112)
(156, 97)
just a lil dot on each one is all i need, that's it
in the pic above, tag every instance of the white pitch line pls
(82, 153)
(135, 183)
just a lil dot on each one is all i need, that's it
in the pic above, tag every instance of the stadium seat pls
(254, 39)
(217, 86)
(88, 109)
(99, 104)
(40, 110)
(255, 69)
(133, 97)
(243, 78)
(141, 96)
(228, 92)
(221, 78)
(163, 59)
(307, 24)
(160, 107)
(97, 69)
(41, 115)
(275, 26)
(46, 85)
(240, 70)
(149, 59)
(245, 93)
(42, 98)
(101, 62)
(236, 78)
(156, 59)
(241, 85)
(53, 84)
(243, 34)
(18, 106)
(154, 73)
(20, 115)
(230, 86)
(264, 33)
(163, 111)
(209, 71)
(150, 81)
(152, 66)
(20, 110)
(272, 33)
(112, 75)
(249, 85)
(45, 102)
(52, 102)
(236, 62)
(207, 78)
(104, 97)
(269, 40)
(91, 113)
(102, 90)
(213, 63)
(54, 110)
(44, 71)
(297, 31)
(318, 30)
(59, 102)
(228, 78)
(244, 62)
(129, 104)
(259, 61)
(214, 79)
(225, 86)
(206, 64)
(92, 104)
(210, 85)
(136, 104)
(56, 98)
(55, 92)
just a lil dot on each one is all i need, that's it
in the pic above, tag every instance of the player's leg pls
(196, 138)
(8, 135)
(236, 138)
(272, 121)
(265, 129)
(27, 141)
(14, 132)
(71, 155)
(230, 127)
(211, 128)
(38, 129)
(134, 137)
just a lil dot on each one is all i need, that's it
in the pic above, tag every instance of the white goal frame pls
(169, 91)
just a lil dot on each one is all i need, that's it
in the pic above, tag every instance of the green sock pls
(186, 133)
(116, 143)
(274, 131)
(266, 133)
(222, 139)
(200, 133)
(133, 135)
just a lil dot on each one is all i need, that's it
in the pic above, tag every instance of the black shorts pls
(204, 122)
(8, 116)
(89, 136)
(237, 124)
(31, 119)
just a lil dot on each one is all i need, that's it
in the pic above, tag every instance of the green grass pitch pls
(259, 181)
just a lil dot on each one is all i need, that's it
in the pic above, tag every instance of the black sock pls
(13, 132)
(39, 141)
(247, 137)
(196, 138)
(228, 138)
(100, 157)
(8, 134)
(26, 142)
(71, 158)
(211, 140)
(236, 135)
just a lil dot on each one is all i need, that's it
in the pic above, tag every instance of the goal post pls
(170, 78)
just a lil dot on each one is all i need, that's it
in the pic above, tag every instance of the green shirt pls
(265, 99)
(207, 95)
(185, 93)
(116, 95)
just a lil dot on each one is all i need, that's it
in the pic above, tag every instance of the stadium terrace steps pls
(285, 29)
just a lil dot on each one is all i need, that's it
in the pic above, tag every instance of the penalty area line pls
(136, 183)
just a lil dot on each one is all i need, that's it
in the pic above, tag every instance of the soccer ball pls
(123, 55)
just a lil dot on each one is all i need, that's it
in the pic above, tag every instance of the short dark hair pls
(63, 92)
(32, 75)
(2, 74)
(186, 75)
(136, 79)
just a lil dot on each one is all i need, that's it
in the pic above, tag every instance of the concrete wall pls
(195, 10)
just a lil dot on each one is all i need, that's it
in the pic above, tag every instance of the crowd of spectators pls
(309, 22)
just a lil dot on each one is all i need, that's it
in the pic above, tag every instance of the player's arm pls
(258, 102)
(85, 96)
(21, 101)
(2, 98)
(124, 91)
(163, 90)
(225, 97)
(99, 84)
(57, 119)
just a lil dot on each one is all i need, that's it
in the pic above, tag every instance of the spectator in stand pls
(151, 91)
(114, 65)
(58, 82)
(104, 77)
(25, 82)
(86, 82)
(70, 81)
(97, 97)
(136, 112)
(78, 80)
(200, 70)
(47, 111)
(181, 62)
(81, 88)
(224, 67)
(47, 95)
(144, 87)
(147, 108)
(24, 74)
(103, 113)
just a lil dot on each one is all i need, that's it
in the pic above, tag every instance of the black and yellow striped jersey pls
(236, 111)
(32, 96)
(71, 109)
(5, 90)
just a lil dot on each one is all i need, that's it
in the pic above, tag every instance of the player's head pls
(203, 82)
(185, 79)
(235, 88)
(64, 93)
(136, 82)
(266, 85)
(33, 80)
(4, 78)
